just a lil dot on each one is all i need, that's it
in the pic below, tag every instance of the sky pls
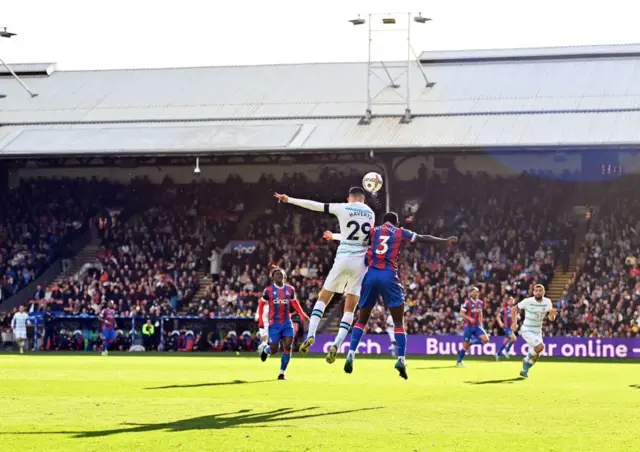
(116, 34)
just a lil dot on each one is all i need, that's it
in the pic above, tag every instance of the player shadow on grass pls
(434, 367)
(495, 382)
(219, 383)
(635, 386)
(213, 422)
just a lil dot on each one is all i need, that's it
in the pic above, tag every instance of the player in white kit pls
(392, 335)
(356, 221)
(535, 309)
(19, 326)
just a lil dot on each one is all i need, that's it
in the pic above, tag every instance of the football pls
(372, 182)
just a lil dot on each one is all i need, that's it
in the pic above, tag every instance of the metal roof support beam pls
(404, 99)
(6, 34)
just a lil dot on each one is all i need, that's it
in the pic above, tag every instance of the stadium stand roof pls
(582, 96)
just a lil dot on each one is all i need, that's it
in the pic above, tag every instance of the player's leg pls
(392, 338)
(274, 342)
(482, 336)
(350, 305)
(287, 343)
(356, 335)
(20, 336)
(355, 272)
(324, 298)
(512, 340)
(503, 347)
(393, 298)
(397, 313)
(536, 347)
(468, 334)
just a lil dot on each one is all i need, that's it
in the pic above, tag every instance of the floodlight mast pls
(382, 69)
(6, 34)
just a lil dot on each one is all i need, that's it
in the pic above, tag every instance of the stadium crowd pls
(38, 218)
(603, 297)
(512, 234)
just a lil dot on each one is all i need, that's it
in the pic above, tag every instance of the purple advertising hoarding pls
(569, 347)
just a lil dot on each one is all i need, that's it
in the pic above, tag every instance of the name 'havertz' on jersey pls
(381, 280)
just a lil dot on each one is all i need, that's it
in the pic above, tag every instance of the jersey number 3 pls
(383, 247)
(356, 227)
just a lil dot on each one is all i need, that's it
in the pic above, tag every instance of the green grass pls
(233, 403)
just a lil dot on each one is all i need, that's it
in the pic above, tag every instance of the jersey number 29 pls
(355, 228)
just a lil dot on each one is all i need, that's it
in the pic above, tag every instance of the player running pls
(535, 309)
(19, 326)
(505, 321)
(471, 312)
(108, 319)
(356, 222)
(279, 297)
(382, 280)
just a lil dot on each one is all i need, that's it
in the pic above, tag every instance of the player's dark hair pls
(391, 217)
(357, 191)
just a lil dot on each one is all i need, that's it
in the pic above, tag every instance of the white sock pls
(351, 354)
(316, 316)
(401, 359)
(345, 326)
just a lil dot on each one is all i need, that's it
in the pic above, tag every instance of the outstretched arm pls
(436, 240)
(298, 308)
(328, 235)
(304, 203)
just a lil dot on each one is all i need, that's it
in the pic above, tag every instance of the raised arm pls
(304, 203)
(435, 240)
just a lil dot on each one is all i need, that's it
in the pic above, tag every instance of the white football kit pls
(19, 325)
(356, 221)
(391, 329)
(534, 314)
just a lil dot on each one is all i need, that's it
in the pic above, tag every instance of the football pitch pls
(233, 403)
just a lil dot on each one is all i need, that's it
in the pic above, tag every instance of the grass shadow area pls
(235, 419)
(495, 382)
(218, 383)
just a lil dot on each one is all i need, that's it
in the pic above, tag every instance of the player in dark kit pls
(280, 297)
(505, 322)
(474, 334)
(382, 280)
(108, 319)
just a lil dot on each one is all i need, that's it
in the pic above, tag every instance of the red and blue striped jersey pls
(109, 317)
(385, 246)
(473, 309)
(280, 300)
(505, 312)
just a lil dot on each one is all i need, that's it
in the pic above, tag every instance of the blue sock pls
(401, 341)
(475, 341)
(461, 354)
(509, 345)
(502, 347)
(284, 361)
(356, 335)
(267, 349)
